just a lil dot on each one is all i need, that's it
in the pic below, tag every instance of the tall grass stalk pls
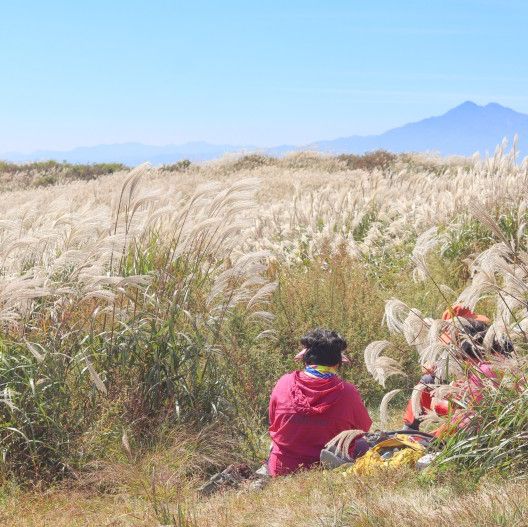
(155, 297)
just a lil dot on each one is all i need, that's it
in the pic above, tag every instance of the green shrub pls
(180, 166)
(497, 437)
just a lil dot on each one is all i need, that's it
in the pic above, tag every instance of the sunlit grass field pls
(146, 314)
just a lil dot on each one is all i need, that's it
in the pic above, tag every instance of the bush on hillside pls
(179, 166)
(46, 173)
(378, 159)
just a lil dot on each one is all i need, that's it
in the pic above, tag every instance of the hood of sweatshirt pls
(311, 396)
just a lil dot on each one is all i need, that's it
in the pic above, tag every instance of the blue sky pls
(84, 72)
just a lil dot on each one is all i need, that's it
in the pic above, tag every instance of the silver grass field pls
(146, 314)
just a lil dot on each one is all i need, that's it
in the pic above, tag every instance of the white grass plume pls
(96, 379)
(384, 407)
(343, 441)
(396, 313)
(380, 366)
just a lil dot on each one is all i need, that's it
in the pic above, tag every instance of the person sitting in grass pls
(309, 407)
(469, 352)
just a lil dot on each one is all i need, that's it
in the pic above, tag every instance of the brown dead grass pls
(317, 498)
(122, 494)
(394, 499)
(75, 509)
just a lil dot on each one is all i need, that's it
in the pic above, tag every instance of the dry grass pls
(46, 173)
(75, 509)
(325, 499)
(305, 204)
(179, 249)
(394, 499)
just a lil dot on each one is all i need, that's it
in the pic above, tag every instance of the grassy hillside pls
(145, 316)
(15, 176)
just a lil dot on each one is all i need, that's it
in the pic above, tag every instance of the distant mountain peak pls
(465, 107)
(462, 130)
(467, 104)
(472, 106)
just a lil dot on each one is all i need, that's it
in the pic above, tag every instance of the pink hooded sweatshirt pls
(305, 413)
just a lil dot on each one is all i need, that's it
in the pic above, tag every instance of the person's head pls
(471, 339)
(323, 347)
(471, 342)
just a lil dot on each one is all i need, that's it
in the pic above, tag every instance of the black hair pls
(323, 347)
(472, 338)
(472, 341)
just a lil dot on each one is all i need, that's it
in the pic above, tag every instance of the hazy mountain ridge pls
(132, 153)
(463, 130)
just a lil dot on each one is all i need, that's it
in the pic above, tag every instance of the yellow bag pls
(411, 451)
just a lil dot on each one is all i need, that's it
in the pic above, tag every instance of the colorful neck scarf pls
(322, 372)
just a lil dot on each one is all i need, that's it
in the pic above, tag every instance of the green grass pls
(178, 359)
(128, 406)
